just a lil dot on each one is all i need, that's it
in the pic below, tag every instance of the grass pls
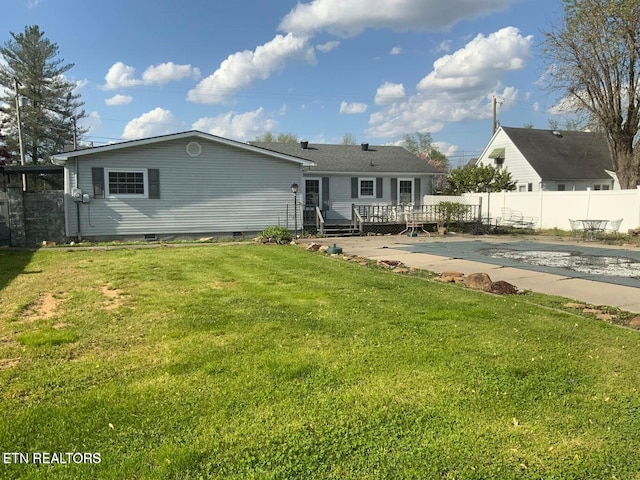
(252, 361)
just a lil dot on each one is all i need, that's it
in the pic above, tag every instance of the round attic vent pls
(194, 149)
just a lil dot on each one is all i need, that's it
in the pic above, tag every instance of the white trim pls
(366, 179)
(145, 178)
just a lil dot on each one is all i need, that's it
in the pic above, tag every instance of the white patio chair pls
(613, 227)
(577, 229)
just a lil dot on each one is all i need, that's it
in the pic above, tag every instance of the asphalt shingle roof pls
(566, 155)
(353, 159)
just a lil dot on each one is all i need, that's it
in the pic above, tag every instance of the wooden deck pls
(384, 219)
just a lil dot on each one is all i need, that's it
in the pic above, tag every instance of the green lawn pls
(251, 361)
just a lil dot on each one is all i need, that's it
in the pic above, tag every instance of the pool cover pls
(600, 264)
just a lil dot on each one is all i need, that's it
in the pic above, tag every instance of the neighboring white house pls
(346, 175)
(552, 160)
(189, 183)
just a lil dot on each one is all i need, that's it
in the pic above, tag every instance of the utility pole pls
(495, 116)
(16, 84)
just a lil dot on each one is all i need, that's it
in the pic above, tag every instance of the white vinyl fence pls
(554, 209)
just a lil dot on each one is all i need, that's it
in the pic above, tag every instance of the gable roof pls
(61, 158)
(563, 155)
(354, 158)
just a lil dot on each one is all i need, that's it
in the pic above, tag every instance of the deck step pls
(340, 231)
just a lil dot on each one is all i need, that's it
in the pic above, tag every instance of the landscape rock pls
(313, 247)
(635, 322)
(452, 274)
(478, 281)
(577, 306)
(390, 264)
(503, 288)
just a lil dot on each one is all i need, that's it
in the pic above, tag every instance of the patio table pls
(592, 227)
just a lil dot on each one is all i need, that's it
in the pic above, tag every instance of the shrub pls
(275, 235)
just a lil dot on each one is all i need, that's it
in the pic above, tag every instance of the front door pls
(312, 199)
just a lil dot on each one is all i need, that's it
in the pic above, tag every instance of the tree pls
(421, 144)
(594, 58)
(348, 139)
(49, 117)
(478, 178)
(269, 137)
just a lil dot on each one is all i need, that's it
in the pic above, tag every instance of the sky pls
(318, 69)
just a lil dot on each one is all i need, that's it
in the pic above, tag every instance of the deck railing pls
(357, 222)
(425, 213)
(319, 221)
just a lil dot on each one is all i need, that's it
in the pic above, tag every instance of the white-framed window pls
(405, 190)
(366, 187)
(127, 183)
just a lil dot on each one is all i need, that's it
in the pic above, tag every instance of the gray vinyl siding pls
(223, 190)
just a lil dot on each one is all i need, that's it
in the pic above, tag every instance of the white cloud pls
(156, 122)
(92, 121)
(460, 86)
(446, 148)
(239, 126)
(444, 46)
(352, 17)
(482, 62)
(124, 76)
(389, 93)
(396, 51)
(120, 76)
(327, 47)
(118, 100)
(242, 69)
(169, 72)
(352, 108)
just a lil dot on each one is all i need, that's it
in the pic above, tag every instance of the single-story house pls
(552, 159)
(342, 176)
(184, 184)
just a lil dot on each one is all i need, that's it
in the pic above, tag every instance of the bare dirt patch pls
(113, 296)
(221, 284)
(44, 307)
(7, 363)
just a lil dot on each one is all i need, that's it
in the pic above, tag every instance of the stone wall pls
(34, 217)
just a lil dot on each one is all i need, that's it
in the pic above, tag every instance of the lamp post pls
(294, 189)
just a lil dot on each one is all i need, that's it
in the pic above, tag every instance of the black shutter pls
(325, 194)
(378, 187)
(394, 191)
(97, 175)
(416, 194)
(154, 183)
(354, 187)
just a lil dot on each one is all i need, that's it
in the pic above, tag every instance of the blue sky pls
(377, 69)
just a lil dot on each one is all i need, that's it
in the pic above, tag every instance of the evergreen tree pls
(49, 106)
